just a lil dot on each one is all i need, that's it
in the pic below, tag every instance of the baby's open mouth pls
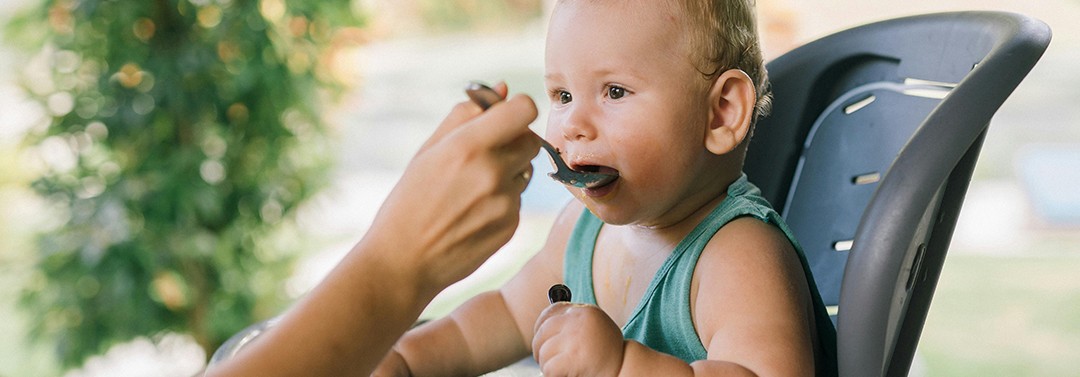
(588, 169)
(595, 169)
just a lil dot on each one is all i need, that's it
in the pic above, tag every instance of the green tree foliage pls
(182, 134)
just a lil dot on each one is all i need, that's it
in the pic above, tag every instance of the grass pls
(1005, 316)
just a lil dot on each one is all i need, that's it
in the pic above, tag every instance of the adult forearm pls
(366, 304)
(345, 325)
(456, 204)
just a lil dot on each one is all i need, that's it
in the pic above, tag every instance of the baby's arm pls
(491, 330)
(752, 312)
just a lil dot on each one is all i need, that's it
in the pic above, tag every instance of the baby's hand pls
(577, 340)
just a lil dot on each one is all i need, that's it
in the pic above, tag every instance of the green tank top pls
(662, 320)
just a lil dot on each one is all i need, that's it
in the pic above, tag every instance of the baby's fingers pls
(552, 359)
(552, 311)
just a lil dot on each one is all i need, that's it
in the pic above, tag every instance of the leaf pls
(166, 205)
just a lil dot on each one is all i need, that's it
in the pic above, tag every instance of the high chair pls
(868, 153)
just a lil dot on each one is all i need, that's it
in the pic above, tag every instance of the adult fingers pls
(501, 88)
(526, 143)
(459, 114)
(524, 178)
(502, 123)
(517, 156)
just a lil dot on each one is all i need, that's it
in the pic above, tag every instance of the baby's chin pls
(609, 215)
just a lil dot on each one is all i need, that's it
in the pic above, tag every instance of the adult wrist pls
(399, 277)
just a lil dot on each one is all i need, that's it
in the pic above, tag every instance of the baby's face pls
(625, 97)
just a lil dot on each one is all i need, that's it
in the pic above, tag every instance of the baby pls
(679, 266)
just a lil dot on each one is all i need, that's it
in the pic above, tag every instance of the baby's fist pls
(577, 340)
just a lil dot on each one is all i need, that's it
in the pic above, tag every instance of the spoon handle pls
(482, 95)
(558, 293)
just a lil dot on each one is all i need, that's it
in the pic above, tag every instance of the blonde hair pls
(723, 35)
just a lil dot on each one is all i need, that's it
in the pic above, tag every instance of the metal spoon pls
(485, 97)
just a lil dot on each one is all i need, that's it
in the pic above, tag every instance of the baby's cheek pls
(555, 123)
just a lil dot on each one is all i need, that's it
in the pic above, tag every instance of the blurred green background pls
(181, 168)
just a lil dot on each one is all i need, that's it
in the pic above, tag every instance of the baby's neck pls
(681, 219)
(627, 257)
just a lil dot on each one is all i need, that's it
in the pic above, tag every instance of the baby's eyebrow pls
(601, 72)
(612, 70)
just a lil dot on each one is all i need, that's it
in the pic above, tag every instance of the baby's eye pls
(616, 92)
(564, 97)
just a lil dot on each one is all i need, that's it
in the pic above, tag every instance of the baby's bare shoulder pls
(749, 262)
(751, 295)
(748, 242)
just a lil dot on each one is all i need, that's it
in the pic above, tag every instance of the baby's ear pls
(731, 101)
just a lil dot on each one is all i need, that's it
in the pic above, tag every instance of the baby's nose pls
(579, 125)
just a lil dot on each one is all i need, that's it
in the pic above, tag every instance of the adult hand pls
(456, 204)
(460, 196)
(577, 340)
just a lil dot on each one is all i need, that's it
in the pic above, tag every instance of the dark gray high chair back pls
(868, 153)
